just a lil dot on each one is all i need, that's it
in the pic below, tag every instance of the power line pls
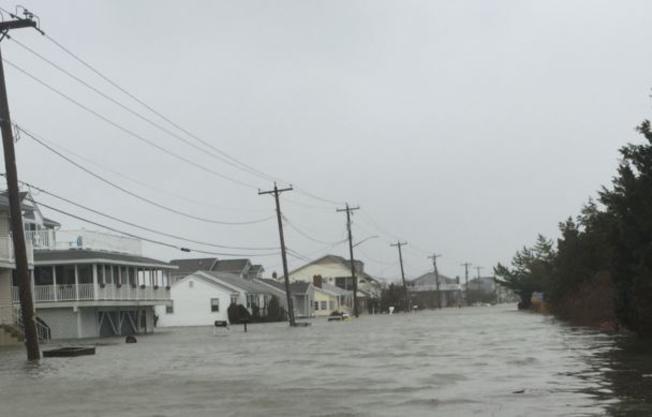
(304, 234)
(141, 183)
(154, 241)
(127, 108)
(242, 165)
(135, 195)
(125, 129)
(108, 216)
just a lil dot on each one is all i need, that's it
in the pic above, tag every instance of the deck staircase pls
(12, 328)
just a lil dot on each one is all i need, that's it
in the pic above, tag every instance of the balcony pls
(7, 255)
(92, 292)
(49, 239)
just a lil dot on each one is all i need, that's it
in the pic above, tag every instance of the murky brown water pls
(472, 362)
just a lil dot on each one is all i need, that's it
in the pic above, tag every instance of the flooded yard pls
(486, 361)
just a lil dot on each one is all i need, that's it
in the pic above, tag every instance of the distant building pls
(423, 291)
(240, 267)
(336, 271)
(302, 295)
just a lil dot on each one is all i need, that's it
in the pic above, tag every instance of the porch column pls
(54, 283)
(76, 284)
(95, 283)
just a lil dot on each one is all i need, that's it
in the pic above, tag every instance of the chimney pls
(457, 279)
(274, 275)
(316, 281)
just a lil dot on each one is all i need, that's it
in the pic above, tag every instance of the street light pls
(366, 239)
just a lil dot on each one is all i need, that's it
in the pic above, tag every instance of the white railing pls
(44, 292)
(87, 292)
(42, 239)
(7, 250)
(85, 239)
(64, 293)
(128, 292)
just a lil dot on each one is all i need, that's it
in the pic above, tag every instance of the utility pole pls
(478, 268)
(349, 211)
(398, 245)
(466, 266)
(277, 191)
(17, 228)
(434, 264)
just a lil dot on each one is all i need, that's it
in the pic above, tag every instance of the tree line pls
(600, 267)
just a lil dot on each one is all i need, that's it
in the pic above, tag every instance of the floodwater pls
(484, 361)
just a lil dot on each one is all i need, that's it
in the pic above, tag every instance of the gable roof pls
(235, 266)
(188, 266)
(236, 281)
(429, 279)
(297, 287)
(358, 265)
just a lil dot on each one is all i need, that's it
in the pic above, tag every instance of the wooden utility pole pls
(276, 191)
(17, 228)
(466, 266)
(398, 245)
(478, 268)
(434, 265)
(353, 275)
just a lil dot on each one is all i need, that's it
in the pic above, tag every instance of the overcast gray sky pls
(464, 128)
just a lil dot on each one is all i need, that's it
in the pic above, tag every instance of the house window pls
(251, 300)
(234, 298)
(316, 305)
(191, 284)
(169, 309)
(324, 305)
(215, 305)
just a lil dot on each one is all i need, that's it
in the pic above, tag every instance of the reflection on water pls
(472, 362)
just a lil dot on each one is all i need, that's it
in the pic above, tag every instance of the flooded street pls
(486, 361)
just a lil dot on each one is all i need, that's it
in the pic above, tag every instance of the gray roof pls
(236, 281)
(188, 266)
(45, 257)
(235, 266)
(336, 290)
(4, 200)
(298, 287)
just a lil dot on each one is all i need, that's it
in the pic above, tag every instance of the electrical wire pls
(125, 129)
(244, 166)
(147, 229)
(135, 113)
(153, 241)
(133, 194)
(141, 183)
(304, 234)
